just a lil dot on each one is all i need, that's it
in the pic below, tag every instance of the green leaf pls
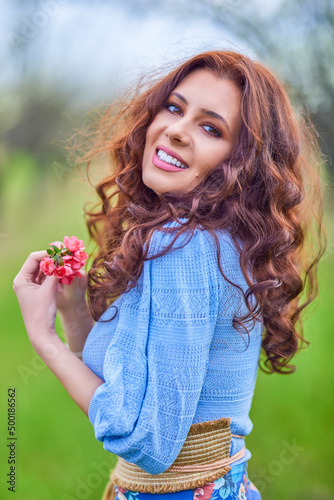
(56, 249)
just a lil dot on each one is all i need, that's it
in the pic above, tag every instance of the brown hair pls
(269, 194)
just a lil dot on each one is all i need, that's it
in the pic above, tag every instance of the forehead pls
(203, 84)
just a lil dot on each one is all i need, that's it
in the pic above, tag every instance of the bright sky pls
(95, 47)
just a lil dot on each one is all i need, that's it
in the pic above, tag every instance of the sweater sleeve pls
(156, 361)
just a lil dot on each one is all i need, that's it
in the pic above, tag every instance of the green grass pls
(58, 456)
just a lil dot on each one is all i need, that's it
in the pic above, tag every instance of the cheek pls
(148, 141)
(218, 157)
(212, 163)
(150, 138)
(154, 126)
(147, 137)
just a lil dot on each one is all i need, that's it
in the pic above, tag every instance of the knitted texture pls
(171, 356)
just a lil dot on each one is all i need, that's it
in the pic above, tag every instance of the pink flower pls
(121, 496)
(205, 492)
(73, 244)
(64, 270)
(66, 280)
(47, 266)
(81, 256)
(120, 493)
(65, 260)
(77, 260)
(242, 492)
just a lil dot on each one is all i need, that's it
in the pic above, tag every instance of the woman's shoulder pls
(193, 238)
(194, 248)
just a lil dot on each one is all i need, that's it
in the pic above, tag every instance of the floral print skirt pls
(234, 485)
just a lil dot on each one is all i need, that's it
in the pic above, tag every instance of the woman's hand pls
(36, 294)
(70, 297)
(73, 310)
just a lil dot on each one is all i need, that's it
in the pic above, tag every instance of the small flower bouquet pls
(65, 262)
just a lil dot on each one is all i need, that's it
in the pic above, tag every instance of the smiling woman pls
(210, 219)
(180, 132)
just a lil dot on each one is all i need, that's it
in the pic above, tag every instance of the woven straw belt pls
(204, 457)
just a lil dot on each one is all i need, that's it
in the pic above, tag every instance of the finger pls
(39, 277)
(50, 283)
(84, 276)
(31, 265)
(81, 282)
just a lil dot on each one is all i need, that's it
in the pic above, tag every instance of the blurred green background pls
(54, 69)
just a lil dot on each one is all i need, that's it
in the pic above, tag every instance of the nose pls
(179, 132)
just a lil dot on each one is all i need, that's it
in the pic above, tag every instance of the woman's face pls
(197, 129)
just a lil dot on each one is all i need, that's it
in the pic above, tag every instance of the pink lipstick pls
(164, 165)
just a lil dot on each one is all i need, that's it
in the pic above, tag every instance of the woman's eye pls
(171, 105)
(216, 132)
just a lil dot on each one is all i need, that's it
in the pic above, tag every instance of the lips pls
(172, 153)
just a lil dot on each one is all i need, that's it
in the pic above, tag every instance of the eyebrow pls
(203, 110)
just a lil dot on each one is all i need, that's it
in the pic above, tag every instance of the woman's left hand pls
(36, 294)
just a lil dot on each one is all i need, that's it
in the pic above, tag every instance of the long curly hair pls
(269, 195)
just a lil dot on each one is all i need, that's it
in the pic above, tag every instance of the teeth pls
(169, 159)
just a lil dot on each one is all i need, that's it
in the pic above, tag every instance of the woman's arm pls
(37, 300)
(77, 323)
(78, 380)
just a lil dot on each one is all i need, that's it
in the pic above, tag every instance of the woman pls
(204, 238)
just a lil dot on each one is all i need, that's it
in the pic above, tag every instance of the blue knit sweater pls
(171, 356)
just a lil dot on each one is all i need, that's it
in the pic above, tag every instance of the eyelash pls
(219, 134)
